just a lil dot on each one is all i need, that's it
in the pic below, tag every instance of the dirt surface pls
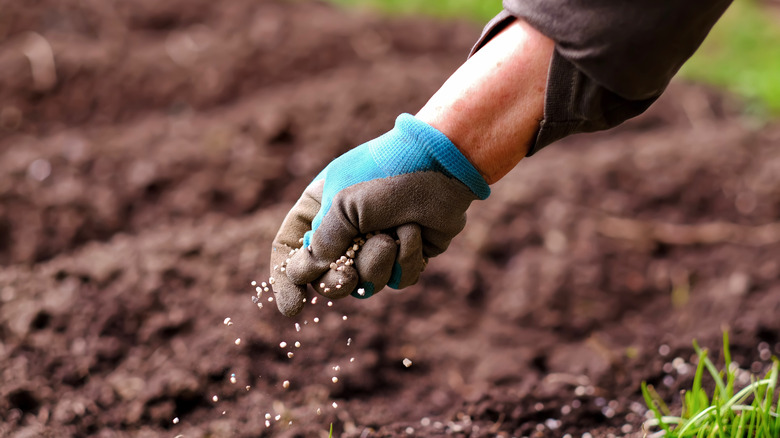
(143, 177)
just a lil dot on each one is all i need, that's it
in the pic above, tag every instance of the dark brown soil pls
(139, 194)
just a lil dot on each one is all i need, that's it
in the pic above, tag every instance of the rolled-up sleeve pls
(612, 58)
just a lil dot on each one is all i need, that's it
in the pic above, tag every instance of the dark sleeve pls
(612, 58)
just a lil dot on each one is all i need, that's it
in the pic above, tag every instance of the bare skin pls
(490, 108)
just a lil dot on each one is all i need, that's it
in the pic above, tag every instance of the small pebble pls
(407, 362)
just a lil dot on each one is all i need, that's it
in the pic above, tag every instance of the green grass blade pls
(741, 396)
(695, 420)
(697, 403)
(741, 428)
(770, 397)
(653, 407)
(711, 368)
(730, 376)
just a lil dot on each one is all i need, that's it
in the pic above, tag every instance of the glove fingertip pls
(290, 300)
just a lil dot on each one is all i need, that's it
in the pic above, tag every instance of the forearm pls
(490, 108)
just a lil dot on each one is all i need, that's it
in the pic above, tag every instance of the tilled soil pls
(142, 187)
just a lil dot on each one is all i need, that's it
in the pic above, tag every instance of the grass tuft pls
(750, 412)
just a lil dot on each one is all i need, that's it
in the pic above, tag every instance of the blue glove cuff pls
(433, 151)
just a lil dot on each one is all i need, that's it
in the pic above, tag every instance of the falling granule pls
(176, 420)
(322, 285)
(227, 321)
(259, 290)
(267, 423)
(238, 341)
(270, 299)
(316, 319)
(264, 284)
(259, 305)
(290, 354)
(255, 300)
(224, 412)
(319, 411)
(330, 303)
(344, 317)
(248, 387)
(267, 415)
(297, 327)
(286, 384)
(351, 359)
(314, 300)
(254, 283)
(335, 405)
(297, 344)
(278, 417)
(215, 398)
(361, 292)
(233, 378)
(336, 368)
(349, 342)
(407, 362)
(335, 379)
(282, 344)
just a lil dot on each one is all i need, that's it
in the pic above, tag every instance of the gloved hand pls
(411, 186)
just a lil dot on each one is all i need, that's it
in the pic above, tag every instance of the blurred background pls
(149, 151)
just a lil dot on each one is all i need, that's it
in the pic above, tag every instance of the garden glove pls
(408, 190)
